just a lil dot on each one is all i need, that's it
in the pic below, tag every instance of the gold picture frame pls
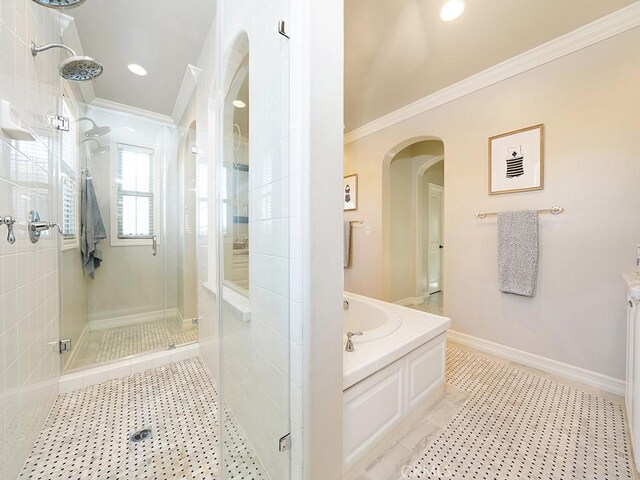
(350, 192)
(516, 161)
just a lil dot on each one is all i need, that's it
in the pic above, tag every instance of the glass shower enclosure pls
(128, 261)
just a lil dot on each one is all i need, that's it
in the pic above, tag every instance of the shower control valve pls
(9, 221)
(37, 226)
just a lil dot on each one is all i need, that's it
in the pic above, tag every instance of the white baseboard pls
(563, 370)
(185, 322)
(133, 319)
(410, 301)
(123, 368)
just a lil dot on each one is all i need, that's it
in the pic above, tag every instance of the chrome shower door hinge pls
(195, 320)
(284, 443)
(64, 345)
(282, 30)
(58, 122)
(172, 345)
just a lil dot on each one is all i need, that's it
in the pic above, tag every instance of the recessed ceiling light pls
(452, 10)
(137, 69)
(239, 104)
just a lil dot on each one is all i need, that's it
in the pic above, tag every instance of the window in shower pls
(70, 181)
(136, 211)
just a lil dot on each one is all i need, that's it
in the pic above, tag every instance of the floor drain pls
(140, 435)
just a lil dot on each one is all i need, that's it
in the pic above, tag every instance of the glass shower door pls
(253, 166)
(123, 259)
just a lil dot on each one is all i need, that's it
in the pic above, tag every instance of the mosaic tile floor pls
(87, 433)
(514, 424)
(99, 346)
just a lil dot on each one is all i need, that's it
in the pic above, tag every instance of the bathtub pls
(397, 363)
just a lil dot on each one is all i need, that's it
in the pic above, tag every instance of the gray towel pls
(92, 229)
(346, 259)
(518, 252)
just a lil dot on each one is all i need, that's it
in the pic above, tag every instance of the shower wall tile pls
(29, 287)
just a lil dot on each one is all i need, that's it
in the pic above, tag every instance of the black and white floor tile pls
(514, 424)
(87, 434)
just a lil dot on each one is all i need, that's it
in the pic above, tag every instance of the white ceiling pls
(162, 36)
(398, 51)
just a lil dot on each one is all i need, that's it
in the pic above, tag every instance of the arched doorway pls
(413, 198)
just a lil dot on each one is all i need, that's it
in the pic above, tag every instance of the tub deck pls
(417, 329)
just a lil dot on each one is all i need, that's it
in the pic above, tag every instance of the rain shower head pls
(95, 131)
(76, 68)
(60, 3)
(99, 149)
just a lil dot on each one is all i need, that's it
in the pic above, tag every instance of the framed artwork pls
(350, 192)
(516, 161)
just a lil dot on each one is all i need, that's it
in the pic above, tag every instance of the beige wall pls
(588, 102)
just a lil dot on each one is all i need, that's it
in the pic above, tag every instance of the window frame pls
(70, 243)
(114, 239)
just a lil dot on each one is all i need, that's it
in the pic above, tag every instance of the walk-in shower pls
(126, 187)
(168, 278)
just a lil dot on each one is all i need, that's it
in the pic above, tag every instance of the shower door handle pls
(154, 245)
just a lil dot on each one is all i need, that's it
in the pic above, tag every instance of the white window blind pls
(69, 176)
(135, 192)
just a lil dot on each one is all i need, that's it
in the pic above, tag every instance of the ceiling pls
(161, 36)
(399, 51)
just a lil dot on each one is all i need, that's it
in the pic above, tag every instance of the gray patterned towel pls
(518, 252)
(346, 256)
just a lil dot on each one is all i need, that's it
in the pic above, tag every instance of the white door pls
(435, 246)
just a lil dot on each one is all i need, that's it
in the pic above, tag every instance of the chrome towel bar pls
(553, 210)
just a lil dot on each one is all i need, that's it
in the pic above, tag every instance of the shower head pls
(60, 3)
(95, 131)
(99, 149)
(76, 68)
(80, 69)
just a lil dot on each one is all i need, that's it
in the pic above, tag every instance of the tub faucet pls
(349, 347)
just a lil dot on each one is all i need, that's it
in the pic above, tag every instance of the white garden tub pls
(396, 364)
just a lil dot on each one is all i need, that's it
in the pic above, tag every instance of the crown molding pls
(590, 34)
(187, 87)
(127, 109)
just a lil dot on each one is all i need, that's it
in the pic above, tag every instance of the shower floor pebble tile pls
(87, 433)
(100, 346)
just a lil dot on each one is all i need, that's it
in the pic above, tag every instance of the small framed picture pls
(350, 192)
(516, 161)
